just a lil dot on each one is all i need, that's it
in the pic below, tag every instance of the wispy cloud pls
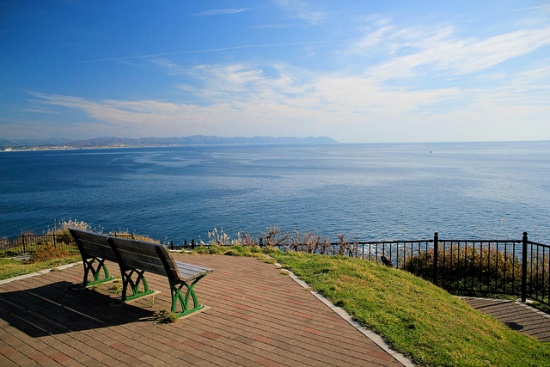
(219, 12)
(258, 98)
(276, 26)
(157, 56)
(302, 10)
(411, 52)
(169, 66)
(540, 7)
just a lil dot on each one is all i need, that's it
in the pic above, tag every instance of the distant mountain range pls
(133, 142)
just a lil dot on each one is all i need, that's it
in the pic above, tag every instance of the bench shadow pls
(59, 308)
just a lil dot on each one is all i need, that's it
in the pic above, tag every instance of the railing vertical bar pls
(489, 263)
(506, 269)
(495, 254)
(458, 262)
(524, 269)
(397, 256)
(530, 288)
(514, 265)
(545, 282)
(535, 291)
(436, 258)
(445, 255)
(481, 264)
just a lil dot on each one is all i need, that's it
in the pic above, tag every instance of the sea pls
(365, 192)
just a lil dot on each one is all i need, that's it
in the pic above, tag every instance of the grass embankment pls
(415, 317)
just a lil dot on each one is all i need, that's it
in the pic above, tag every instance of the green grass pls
(12, 268)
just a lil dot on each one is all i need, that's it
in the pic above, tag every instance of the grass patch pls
(416, 318)
(237, 250)
(12, 268)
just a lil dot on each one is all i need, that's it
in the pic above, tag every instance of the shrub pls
(478, 269)
(48, 252)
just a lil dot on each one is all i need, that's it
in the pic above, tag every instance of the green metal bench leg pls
(95, 266)
(139, 287)
(178, 297)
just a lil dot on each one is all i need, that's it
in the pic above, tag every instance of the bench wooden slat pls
(189, 272)
(179, 270)
(139, 255)
(145, 262)
(93, 245)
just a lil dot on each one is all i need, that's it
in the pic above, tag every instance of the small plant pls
(219, 238)
(63, 224)
(235, 250)
(273, 237)
(246, 239)
(166, 317)
(115, 288)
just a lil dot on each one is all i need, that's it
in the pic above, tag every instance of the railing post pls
(436, 258)
(524, 269)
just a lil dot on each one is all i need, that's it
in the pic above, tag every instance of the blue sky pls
(356, 71)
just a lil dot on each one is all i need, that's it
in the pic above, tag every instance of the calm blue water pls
(366, 192)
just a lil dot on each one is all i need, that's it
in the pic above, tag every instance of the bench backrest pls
(148, 256)
(93, 245)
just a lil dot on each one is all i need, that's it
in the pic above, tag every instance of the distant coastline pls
(196, 140)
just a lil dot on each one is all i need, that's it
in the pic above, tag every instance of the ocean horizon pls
(365, 192)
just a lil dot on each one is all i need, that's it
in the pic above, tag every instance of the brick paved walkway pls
(258, 317)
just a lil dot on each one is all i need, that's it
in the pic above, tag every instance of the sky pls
(356, 71)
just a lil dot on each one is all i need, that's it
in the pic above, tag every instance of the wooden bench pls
(134, 259)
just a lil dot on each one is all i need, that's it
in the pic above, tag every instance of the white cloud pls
(220, 12)
(169, 66)
(442, 50)
(302, 10)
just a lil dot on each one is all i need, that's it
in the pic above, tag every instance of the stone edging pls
(41, 272)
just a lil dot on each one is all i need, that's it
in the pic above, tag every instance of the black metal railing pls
(536, 272)
(471, 267)
(29, 243)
